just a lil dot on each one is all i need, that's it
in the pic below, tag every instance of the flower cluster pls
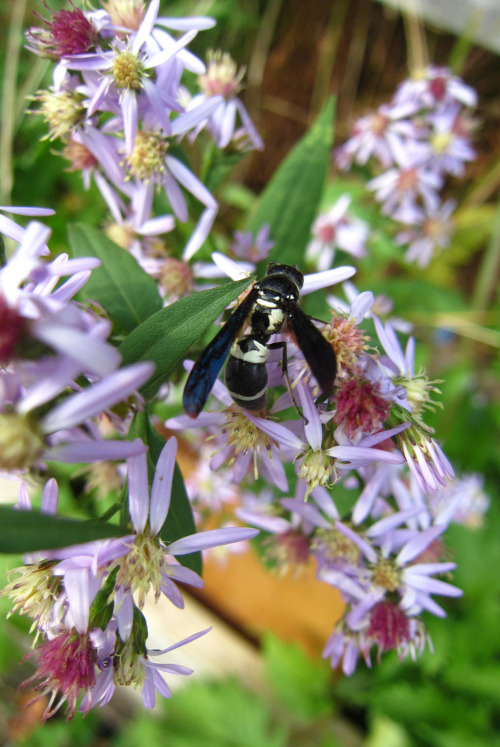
(50, 346)
(370, 434)
(119, 105)
(85, 601)
(416, 141)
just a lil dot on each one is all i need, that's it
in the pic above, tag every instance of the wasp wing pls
(317, 351)
(207, 367)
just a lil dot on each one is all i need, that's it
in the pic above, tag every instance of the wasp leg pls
(284, 368)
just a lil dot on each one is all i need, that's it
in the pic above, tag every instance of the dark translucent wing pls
(317, 352)
(206, 369)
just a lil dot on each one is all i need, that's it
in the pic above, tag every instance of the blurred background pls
(259, 677)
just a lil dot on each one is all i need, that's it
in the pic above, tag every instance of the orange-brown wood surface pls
(250, 596)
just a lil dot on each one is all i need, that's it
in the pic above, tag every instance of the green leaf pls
(180, 522)
(29, 531)
(166, 336)
(301, 684)
(290, 201)
(120, 285)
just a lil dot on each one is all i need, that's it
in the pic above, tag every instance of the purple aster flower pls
(430, 233)
(67, 32)
(435, 86)
(251, 249)
(400, 187)
(223, 80)
(145, 562)
(66, 665)
(119, 663)
(378, 136)
(451, 149)
(336, 229)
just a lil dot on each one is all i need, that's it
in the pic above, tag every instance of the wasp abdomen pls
(246, 373)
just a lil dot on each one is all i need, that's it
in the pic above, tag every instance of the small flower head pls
(34, 592)
(128, 70)
(317, 468)
(360, 408)
(79, 156)
(252, 249)
(67, 32)
(222, 77)
(66, 665)
(287, 550)
(347, 340)
(62, 111)
(175, 278)
(147, 159)
(389, 626)
(128, 13)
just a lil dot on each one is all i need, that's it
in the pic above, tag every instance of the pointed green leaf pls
(120, 285)
(180, 522)
(29, 531)
(290, 201)
(166, 336)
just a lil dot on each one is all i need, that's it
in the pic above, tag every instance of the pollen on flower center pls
(317, 468)
(243, 435)
(62, 111)
(386, 574)
(34, 592)
(440, 142)
(148, 155)
(128, 70)
(347, 341)
(141, 569)
(221, 78)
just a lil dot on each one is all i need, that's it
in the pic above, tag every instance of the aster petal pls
(129, 107)
(313, 427)
(170, 590)
(50, 497)
(148, 691)
(185, 575)
(184, 641)
(431, 585)
(138, 491)
(200, 234)
(364, 546)
(325, 279)
(306, 511)
(116, 387)
(414, 547)
(162, 486)
(124, 612)
(94, 451)
(80, 596)
(210, 538)
(200, 23)
(147, 25)
(188, 180)
(95, 356)
(279, 433)
(166, 54)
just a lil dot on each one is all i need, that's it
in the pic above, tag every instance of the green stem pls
(486, 281)
(14, 43)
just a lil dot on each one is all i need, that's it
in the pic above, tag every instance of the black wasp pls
(271, 303)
